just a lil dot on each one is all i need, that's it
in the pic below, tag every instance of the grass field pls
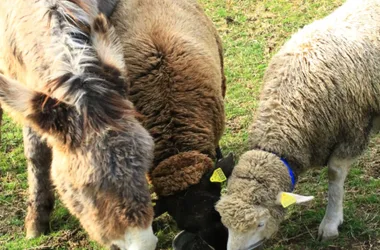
(252, 31)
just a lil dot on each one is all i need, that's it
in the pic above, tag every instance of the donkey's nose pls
(114, 247)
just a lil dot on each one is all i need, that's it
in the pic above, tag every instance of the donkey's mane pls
(88, 66)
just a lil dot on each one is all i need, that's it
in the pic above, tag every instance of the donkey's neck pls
(86, 51)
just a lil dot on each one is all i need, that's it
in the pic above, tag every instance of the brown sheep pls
(175, 68)
(61, 76)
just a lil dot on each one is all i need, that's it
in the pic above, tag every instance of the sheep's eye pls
(261, 224)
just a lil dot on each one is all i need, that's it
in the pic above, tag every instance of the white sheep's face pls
(248, 240)
(250, 225)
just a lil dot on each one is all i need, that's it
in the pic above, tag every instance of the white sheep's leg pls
(337, 172)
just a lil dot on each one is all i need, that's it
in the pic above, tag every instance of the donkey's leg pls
(41, 196)
(337, 172)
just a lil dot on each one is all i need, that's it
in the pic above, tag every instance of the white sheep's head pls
(253, 207)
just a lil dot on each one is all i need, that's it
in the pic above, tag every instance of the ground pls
(252, 31)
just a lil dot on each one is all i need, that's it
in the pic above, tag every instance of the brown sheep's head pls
(193, 208)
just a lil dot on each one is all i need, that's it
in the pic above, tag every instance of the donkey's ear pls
(227, 164)
(15, 98)
(46, 115)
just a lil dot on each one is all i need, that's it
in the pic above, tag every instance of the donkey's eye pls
(261, 224)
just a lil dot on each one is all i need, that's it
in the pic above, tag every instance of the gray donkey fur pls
(61, 76)
(319, 103)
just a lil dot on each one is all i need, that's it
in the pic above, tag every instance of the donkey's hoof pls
(34, 230)
(31, 234)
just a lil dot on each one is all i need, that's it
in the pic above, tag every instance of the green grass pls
(252, 31)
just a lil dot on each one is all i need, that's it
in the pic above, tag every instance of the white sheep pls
(319, 103)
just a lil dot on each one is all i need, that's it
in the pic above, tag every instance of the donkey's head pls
(99, 165)
(100, 152)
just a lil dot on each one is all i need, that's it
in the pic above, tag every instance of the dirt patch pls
(166, 229)
(70, 239)
(12, 212)
(370, 161)
(8, 213)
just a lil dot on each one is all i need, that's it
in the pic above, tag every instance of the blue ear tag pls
(291, 173)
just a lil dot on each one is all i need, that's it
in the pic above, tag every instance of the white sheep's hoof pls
(328, 229)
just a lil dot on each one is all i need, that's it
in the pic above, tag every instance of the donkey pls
(62, 77)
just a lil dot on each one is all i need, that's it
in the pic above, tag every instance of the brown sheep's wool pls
(176, 82)
(179, 172)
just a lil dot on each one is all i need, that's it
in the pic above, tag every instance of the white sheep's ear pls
(286, 199)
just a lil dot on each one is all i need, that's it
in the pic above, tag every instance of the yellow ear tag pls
(218, 176)
(287, 200)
